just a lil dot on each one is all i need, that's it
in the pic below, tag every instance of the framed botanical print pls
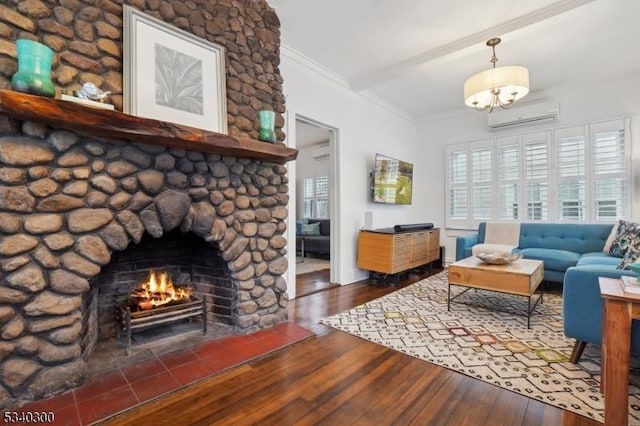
(172, 75)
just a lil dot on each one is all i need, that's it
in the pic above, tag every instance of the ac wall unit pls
(320, 152)
(524, 114)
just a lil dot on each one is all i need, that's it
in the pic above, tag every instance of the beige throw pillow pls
(502, 233)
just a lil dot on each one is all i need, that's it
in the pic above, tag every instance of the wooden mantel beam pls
(115, 124)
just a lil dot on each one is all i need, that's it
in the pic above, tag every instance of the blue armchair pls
(582, 306)
(464, 243)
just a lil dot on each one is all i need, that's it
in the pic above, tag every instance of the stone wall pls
(68, 202)
(86, 36)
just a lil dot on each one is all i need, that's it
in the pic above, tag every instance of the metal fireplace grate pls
(129, 321)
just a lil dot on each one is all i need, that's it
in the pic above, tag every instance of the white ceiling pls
(416, 54)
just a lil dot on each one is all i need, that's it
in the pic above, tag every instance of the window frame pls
(314, 198)
(617, 181)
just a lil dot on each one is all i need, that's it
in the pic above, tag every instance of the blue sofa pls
(559, 246)
(316, 244)
(572, 255)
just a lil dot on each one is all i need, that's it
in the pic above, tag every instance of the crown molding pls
(388, 106)
(313, 65)
(325, 72)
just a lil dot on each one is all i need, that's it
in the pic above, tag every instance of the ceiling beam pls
(397, 69)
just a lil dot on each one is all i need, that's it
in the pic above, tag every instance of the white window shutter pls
(481, 172)
(571, 157)
(536, 169)
(509, 178)
(316, 197)
(457, 165)
(611, 171)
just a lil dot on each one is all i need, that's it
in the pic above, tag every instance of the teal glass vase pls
(34, 69)
(267, 126)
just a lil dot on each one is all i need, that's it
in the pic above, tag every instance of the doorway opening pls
(314, 182)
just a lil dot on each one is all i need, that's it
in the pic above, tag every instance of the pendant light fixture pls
(497, 86)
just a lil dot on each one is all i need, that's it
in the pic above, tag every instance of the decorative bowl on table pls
(499, 258)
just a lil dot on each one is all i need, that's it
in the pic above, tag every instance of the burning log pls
(159, 302)
(158, 290)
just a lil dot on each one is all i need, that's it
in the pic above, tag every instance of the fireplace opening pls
(157, 302)
(158, 288)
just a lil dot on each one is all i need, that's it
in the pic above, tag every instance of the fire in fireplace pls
(157, 302)
(158, 290)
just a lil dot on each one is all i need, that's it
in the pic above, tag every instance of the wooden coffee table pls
(520, 278)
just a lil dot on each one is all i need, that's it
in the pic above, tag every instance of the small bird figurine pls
(91, 91)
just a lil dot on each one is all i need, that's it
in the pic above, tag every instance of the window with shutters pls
(316, 197)
(457, 180)
(611, 171)
(536, 177)
(509, 181)
(481, 190)
(577, 174)
(572, 195)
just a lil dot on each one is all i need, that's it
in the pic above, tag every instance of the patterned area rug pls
(488, 339)
(311, 264)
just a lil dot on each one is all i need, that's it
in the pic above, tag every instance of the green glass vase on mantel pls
(34, 69)
(267, 121)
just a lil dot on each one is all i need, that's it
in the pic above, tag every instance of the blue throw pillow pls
(312, 229)
(299, 223)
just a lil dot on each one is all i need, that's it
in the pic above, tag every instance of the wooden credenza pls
(391, 252)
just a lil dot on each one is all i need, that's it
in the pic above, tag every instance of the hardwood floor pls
(313, 282)
(334, 378)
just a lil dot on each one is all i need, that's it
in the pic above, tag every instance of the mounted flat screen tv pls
(392, 181)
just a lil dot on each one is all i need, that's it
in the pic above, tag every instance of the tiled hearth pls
(154, 374)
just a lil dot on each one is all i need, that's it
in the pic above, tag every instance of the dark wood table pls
(619, 309)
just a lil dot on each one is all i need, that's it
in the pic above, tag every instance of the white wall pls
(364, 127)
(577, 105)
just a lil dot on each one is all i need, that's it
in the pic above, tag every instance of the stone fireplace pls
(72, 207)
(84, 192)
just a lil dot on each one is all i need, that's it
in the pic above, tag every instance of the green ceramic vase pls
(34, 69)
(267, 126)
